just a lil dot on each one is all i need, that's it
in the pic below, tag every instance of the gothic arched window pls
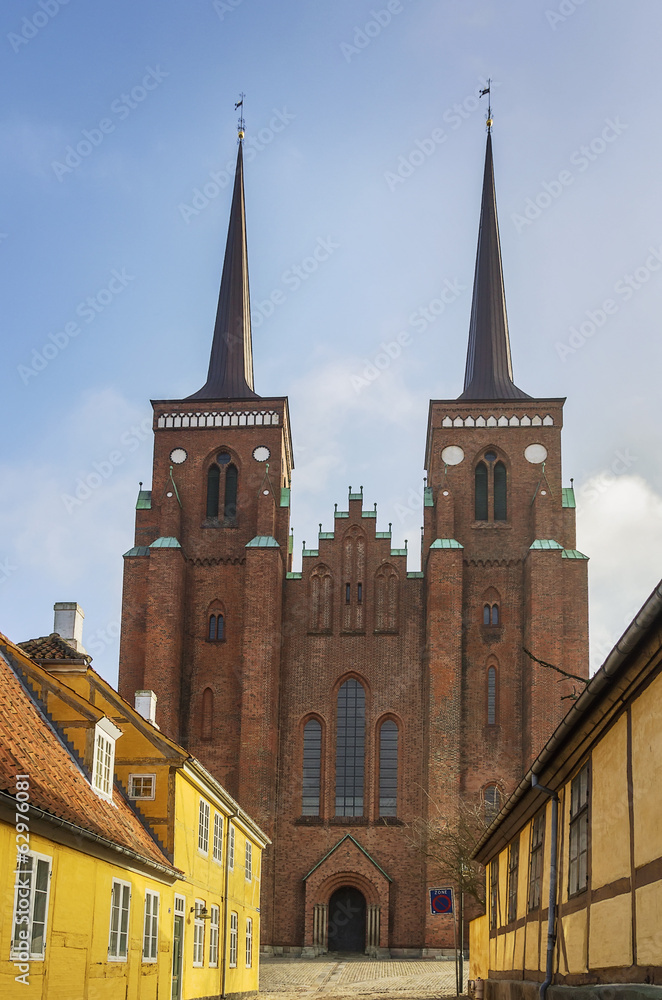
(481, 492)
(213, 482)
(491, 802)
(216, 628)
(312, 768)
(491, 695)
(388, 769)
(207, 714)
(231, 480)
(490, 489)
(350, 749)
(491, 614)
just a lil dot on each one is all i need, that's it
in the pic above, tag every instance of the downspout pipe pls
(553, 878)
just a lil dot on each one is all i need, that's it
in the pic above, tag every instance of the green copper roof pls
(369, 513)
(342, 840)
(568, 495)
(144, 501)
(137, 550)
(284, 496)
(415, 575)
(325, 534)
(293, 576)
(446, 543)
(545, 543)
(382, 534)
(262, 542)
(428, 499)
(398, 552)
(341, 513)
(356, 496)
(165, 543)
(311, 552)
(573, 554)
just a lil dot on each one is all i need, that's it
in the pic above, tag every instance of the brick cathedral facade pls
(341, 703)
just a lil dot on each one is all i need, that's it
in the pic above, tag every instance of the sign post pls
(441, 901)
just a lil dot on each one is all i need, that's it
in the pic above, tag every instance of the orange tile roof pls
(29, 745)
(52, 647)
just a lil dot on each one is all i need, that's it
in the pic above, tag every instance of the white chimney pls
(68, 623)
(145, 705)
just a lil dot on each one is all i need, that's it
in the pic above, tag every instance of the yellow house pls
(574, 859)
(138, 875)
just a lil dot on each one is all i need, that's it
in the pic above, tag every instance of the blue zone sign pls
(441, 901)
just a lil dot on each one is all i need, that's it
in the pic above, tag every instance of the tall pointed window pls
(388, 769)
(386, 599)
(350, 749)
(213, 481)
(490, 489)
(312, 761)
(321, 589)
(231, 479)
(481, 492)
(216, 628)
(491, 695)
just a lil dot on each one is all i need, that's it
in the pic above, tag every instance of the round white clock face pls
(535, 454)
(178, 455)
(452, 455)
(261, 453)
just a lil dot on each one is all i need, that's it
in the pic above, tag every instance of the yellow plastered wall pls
(610, 823)
(649, 924)
(610, 936)
(574, 934)
(646, 756)
(479, 942)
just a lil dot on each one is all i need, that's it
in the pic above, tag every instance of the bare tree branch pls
(551, 666)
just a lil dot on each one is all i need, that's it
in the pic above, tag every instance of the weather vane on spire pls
(489, 120)
(241, 123)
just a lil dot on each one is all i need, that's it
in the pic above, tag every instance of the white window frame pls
(203, 828)
(217, 850)
(144, 798)
(249, 942)
(117, 955)
(234, 934)
(198, 935)
(214, 928)
(231, 848)
(103, 758)
(151, 926)
(248, 871)
(23, 916)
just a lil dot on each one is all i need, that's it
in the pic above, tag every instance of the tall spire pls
(489, 372)
(230, 373)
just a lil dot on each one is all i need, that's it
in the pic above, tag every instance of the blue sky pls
(366, 135)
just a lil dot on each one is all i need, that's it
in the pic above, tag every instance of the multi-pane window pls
(231, 847)
(388, 769)
(480, 492)
(490, 473)
(492, 802)
(203, 827)
(234, 923)
(118, 939)
(216, 631)
(248, 867)
(513, 869)
(32, 881)
(151, 927)
(214, 922)
(249, 942)
(105, 734)
(141, 786)
(231, 480)
(312, 761)
(198, 934)
(491, 614)
(213, 484)
(578, 867)
(491, 695)
(536, 860)
(223, 462)
(217, 852)
(350, 749)
(494, 892)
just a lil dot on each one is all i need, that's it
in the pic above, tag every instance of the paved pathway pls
(347, 978)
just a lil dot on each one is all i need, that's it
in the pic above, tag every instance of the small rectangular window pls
(151, 927)
(231, 848)
(513, 870)
(118, 938)
(203, 827)
(494, 892)
(234, 923)
(249, 942)
(104, 753)
(359, 592)
(199, 934)
(348, 592)
(578, 860)
(218, 838)
(249, 861)
(213, 936)
(32, 886)
(536, 860)
(142, 786)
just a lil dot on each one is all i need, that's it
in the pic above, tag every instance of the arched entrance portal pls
(347, 912)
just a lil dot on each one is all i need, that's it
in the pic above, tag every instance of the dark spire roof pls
(230, 373)
(489, 373)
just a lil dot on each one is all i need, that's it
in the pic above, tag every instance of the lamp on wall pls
(202, 913)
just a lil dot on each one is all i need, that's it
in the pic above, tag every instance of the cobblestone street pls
(352, 978)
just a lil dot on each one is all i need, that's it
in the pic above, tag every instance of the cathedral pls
(344, 702)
